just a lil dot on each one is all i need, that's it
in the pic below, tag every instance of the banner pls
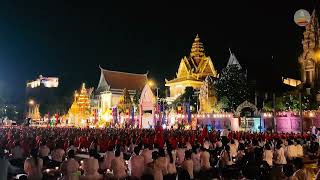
(132, 115)
(188, 112)
(115, 115)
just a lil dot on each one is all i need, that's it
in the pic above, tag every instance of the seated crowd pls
(158, 154)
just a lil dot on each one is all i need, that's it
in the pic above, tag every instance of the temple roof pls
(233, 60)
(179, 80)
(121, 80)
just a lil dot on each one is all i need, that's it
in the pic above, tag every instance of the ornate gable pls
(147, 96)
(207, 68)
(183, 70)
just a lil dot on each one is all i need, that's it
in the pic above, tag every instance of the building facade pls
(112, 87)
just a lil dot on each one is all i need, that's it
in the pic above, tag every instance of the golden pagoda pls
(192, 70)
(79, 111)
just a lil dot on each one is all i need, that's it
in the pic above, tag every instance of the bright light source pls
(31, 102)
(150, 83)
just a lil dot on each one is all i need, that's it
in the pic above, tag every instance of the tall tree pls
(232, 85)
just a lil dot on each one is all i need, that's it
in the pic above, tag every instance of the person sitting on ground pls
(147, 153)
(136, 164)
(205, 159)
(226, 158)
(118, 166)
(299, 149)
(69, 167)
(90, 167)
(108, 157)
(188, 163)
(268, 155)
(33, 166)
(171, 160)
(57, 155)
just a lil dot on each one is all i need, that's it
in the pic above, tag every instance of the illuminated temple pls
(192, 71)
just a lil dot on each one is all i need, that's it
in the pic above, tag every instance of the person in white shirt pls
(90, 167)
(195, 156)
(163, 161)
(299, 149)
(136, 164)
(108, 157)
(291, 150)
(70, 167)
(147, 154)
(205, 159)
(233, 148)
(268, 155)
(157, 166)
(57, 154)
(224, 136)
(280, 158)
(44, 150)
(226, 157)
(118, 166)
(188, 164)
(17, 152)
(33, 166)
(171, 159)
(180, 154)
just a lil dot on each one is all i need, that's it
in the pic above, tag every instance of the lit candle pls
(57, 168)
(47, 170)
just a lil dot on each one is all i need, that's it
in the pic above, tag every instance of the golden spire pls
(197, 50)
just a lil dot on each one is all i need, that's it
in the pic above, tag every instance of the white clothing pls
(224, 132)
(268, 156)
(196, 161)
(299, 150)
(291, 152)
(280, 157)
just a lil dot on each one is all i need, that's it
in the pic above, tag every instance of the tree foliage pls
(232, 85)
(187, 96)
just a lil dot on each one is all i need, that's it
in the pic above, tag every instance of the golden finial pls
(197, 50)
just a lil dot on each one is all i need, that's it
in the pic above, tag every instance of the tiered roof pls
(196, 67)
(116, 80)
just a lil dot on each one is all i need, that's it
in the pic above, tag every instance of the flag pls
(132, 114)
(188, 112)
(115, 114)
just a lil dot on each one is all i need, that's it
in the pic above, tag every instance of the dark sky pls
(69, 39)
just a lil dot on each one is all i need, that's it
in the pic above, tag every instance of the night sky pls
(69, 39)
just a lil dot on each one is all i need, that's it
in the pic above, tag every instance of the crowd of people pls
(158, 154)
